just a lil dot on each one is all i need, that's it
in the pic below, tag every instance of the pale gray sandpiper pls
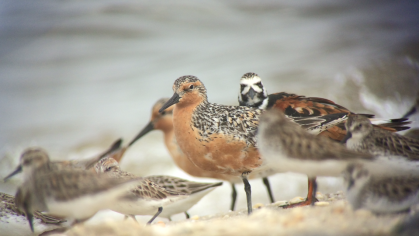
(364, 137)
(194, 190)
(65, 192)
(289, 147)
(157, 195)
(14, 223)
(299, 151)
(380, 194)
(222, 138)
(82, 164)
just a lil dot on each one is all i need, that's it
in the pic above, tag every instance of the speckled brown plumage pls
(367, 138)
(181, 185)
(63, 185)
(8, 206)
(216, 137)
(145, 189)
(164, 122)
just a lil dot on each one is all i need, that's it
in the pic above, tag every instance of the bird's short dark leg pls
(233, 196)
(313, 196)
(268, 187)
(248, 191)
(155, 215)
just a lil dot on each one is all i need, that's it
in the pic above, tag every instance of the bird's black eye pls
(191, 86)
(109, 168)
(242, 86)
(163, 113)
(358, 127)
(259, 84)
(27, 161)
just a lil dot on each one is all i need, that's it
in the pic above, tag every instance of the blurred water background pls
(76, 75)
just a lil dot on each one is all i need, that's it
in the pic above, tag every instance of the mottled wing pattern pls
(300, 106)
(302, 145)
(69, 184)
(394, 144)
(151, 190)
(7, 199)
(48, 218)
(396, 189)
(337, 132)
(318, 124)
(146, 189)
(7, 203)
(181, 185)
(239, 122)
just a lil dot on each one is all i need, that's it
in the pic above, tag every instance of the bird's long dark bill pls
(18, 170)
(347, 136)
(172, 101)
(149, 127)
(115, 146)
(92, 161)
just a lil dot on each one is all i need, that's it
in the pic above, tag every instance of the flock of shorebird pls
(266, 134)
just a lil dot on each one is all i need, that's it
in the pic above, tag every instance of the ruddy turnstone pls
(254, 94)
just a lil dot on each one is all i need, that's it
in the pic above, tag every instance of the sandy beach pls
(332, 215)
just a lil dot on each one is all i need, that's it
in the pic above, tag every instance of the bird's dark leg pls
(155, 215)
(233, 196)
(268, 187)
(313, 194)
(248, 191)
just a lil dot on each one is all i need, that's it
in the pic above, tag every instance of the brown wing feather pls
(295, 105)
